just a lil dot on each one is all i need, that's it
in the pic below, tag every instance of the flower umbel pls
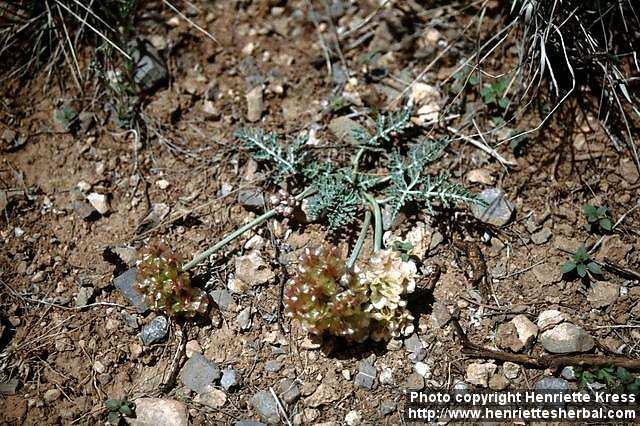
(166, 286)
(327, 297)
(388, 279)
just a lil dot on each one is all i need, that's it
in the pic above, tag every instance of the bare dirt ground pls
(188, 166)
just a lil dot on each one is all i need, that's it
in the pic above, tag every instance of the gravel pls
(199, 373)
(498, 211)
(125, 283)
(266, 406)
(155, 331)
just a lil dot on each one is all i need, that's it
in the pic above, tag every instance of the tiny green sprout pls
(65, 117)
(597, 218)
(118, 408)
(616, 379)
(581, 263)
(404, 249)
(494, 94)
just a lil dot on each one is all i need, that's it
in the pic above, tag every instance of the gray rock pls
(215, 398)
(541, 236)
(566, 338)
(125, 283)
(366, 376)
(255, 104)
(510, 370)
(552, 383)
(440, 315)
(289, 391)
(9, 136)
(387, 407)
(498, 211)
(251, 197)
(84, 295)
(199, 373)
(130, 320)
(266, 406)
(414, 382)
(229, 379)
(273, 366)
(568, 373)
(155, 331)
(339, 74)
(417, 351)
(156, 411)
(150, 71)
(249, 423)
(86, 121)
(85, 211)
(413, 343)
(436, 239)
(479, 373)
(129, 255)
(343, 128)
(602, 293)
(223, 299)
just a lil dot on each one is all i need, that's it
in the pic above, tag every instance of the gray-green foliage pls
(288, 158)
(337, 200)
(410, 183)
(383, 164)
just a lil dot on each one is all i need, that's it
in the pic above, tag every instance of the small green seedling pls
(597, 218)
(616, 379)
(117, 409)
(65, 116)
(494, 94)
(581, 263)
(404, 249)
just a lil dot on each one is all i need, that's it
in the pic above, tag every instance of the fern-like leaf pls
(385, 126)
(337, 200)
(407, 174)
(287, 159)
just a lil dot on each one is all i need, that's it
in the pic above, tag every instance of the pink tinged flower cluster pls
(327, 297)
(166, 287)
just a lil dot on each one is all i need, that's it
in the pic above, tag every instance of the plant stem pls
(377, 221)
(356, 161)
(235, 234)
(363, 234)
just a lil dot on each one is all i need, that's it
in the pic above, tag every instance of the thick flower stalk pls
(388, 279)
(328, 297)
(166, 286)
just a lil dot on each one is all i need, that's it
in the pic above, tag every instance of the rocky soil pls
(78, 204)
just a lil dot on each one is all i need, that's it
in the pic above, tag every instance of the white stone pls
(566, 338)
(192, 347)
(213, 399)
(478, 373)
(99, 202)
(527, 330)
(549, 318)
(156, 411)
(422, 369)
(353, 418)
(163, 184)
(511, 370)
